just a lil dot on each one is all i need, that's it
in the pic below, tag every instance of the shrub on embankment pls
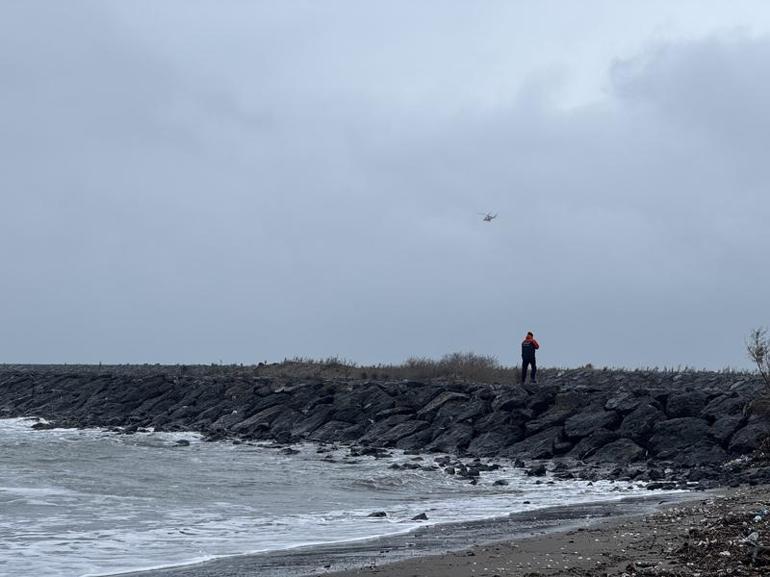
(600, 416)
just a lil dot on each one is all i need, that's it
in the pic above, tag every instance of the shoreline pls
(719, 533)
(401, 553)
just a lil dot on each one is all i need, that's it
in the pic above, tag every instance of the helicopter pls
(488, 217)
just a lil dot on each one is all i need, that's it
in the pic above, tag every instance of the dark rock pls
(673, 436)
(620, 451)
(749, 438)
(377, 400)
(470, 472)
(183, 442)
(589, 421)
(638, 424)
(500, 482)
(511, 397)
(420, 517)
(686, 404)
(493, 443)
(378, 514)
(439, 400)
(469, 411)
(704, 453)
(416, 441)
(542, 398)
(42, 426)
(590, 444)
(382, 415)
(538, 446)
(561, 446)
(454, 439)
(553, 417)
(378, 429)
(262, 419)
(503, 420)
(336, 431)
(225, 422)
(723, 428)
(536, 471)
(661, 485)
(724, 405)
(282, 425)
(399, 431)
(622, 402)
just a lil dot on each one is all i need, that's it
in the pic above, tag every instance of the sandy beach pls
(574, 536)
(714, 535)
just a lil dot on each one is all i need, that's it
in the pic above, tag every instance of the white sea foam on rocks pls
(92, 502)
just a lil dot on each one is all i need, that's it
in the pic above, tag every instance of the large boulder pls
(472, 410)
(502, 420)
(228, 421)
(686, 404)
(376, 400)
(590, 444)
(493, 443)
(399, 431)
(305, 426)
(349, 412)
(376, 432)
(336, 431)
(512, 397)
(454, 440)
(620, 452)
(703, 453)
(416, 441)
(748, 439)
(639, 423)
(538, 446)
(418, 395)
(588, 421)
(624, 401)
(439, 400)
(552, 417)
(284, 423)
(724, 405)
(724, 428)
(260, 420)
(542, 398)
(674, 436)
(457, 411)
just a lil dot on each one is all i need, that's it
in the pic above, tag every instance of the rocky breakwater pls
(639, 422)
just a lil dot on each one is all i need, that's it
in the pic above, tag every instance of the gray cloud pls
(253, 183)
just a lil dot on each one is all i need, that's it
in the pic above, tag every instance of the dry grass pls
(469, 367)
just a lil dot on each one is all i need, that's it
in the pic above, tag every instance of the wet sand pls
(711, 536)
(506, 546)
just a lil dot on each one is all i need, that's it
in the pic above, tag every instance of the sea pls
(90, 502)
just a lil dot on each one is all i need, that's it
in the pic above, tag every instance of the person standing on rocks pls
(528, 347)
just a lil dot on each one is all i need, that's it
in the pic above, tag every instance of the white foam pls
(95, 503)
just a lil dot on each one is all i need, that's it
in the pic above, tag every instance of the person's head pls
(530, 335)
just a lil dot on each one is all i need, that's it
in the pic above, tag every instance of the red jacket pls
(528, 348)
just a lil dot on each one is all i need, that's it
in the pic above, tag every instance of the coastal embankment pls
(611, 423)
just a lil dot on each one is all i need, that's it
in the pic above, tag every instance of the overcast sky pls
(196, 181)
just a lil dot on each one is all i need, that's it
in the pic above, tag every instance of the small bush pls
(758, 347)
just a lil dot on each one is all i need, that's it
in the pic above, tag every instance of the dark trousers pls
(528, 363)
